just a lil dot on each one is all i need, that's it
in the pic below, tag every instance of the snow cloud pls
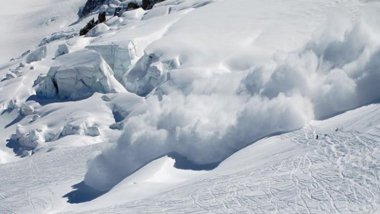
(206, 116)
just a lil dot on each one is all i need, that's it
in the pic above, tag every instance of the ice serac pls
(62, 50)
(98, 30)
(118, 57)
(148, 73)
(77, 76)
(36, 55)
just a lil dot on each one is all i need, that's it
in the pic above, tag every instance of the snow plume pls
(336, 73)
(207, 116)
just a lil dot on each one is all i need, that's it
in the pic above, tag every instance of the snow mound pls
(27, 139)
(207, 116)
(98, 30)
(80, 129)
(78, 75)
(26, 109)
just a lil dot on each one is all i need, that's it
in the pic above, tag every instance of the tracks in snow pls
(336, 173)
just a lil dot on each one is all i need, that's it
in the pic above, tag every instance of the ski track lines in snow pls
(37, 184)
(338, 173)
(331, 178)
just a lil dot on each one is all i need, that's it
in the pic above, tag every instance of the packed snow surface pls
(218, 106)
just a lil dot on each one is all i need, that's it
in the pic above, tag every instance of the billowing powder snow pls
(205, 78)
(221, 99)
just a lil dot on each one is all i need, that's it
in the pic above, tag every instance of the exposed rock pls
(90, 6)
(118, 11)
(91, 24)
(148, 4)
(132, 6)
(102, 17)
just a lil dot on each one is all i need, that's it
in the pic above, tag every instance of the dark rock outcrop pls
(133, 6)
(102, 17)
(92, 23)
(90, 6)
(118, 11)
(88, 27)
(148, 4)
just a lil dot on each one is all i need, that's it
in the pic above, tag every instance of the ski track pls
(337, 173)
(28, 186)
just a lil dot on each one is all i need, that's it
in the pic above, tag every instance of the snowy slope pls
(26, 23)
(163, 110)
(289, 173)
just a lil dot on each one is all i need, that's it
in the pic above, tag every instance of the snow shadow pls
(82, 193)
(15, 121)
(45, 101)
(181, 162)
(16, 148)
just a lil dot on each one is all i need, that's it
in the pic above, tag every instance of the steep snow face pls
(118, 57)
(232, 87)
(26, 23)
(78, 75)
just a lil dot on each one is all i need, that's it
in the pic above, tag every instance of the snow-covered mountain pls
(206, 106)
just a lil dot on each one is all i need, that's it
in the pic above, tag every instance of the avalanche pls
(272, 102)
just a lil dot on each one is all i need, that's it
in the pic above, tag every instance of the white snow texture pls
(193, 106)
(208, 117)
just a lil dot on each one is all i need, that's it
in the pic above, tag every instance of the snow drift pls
(207, 117)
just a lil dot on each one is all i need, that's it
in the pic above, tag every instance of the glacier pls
(207, 106)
